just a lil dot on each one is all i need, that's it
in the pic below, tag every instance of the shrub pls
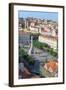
(37, 44)
(25, 56)
(44, 46)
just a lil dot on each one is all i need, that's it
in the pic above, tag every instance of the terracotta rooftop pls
(25, 73)
(51, 65)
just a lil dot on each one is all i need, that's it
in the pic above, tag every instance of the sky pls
(36, 14)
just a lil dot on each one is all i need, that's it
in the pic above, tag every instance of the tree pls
(25, 56)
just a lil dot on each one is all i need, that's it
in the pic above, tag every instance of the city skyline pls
(37, 14)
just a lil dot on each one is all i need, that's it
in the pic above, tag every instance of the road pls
(41, 55)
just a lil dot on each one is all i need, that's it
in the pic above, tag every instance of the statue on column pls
(31, 51)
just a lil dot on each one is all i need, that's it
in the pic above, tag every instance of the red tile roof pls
(51, 64)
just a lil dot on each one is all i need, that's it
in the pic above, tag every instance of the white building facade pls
(51, 41)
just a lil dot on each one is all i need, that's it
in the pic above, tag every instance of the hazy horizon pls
(37, 14)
